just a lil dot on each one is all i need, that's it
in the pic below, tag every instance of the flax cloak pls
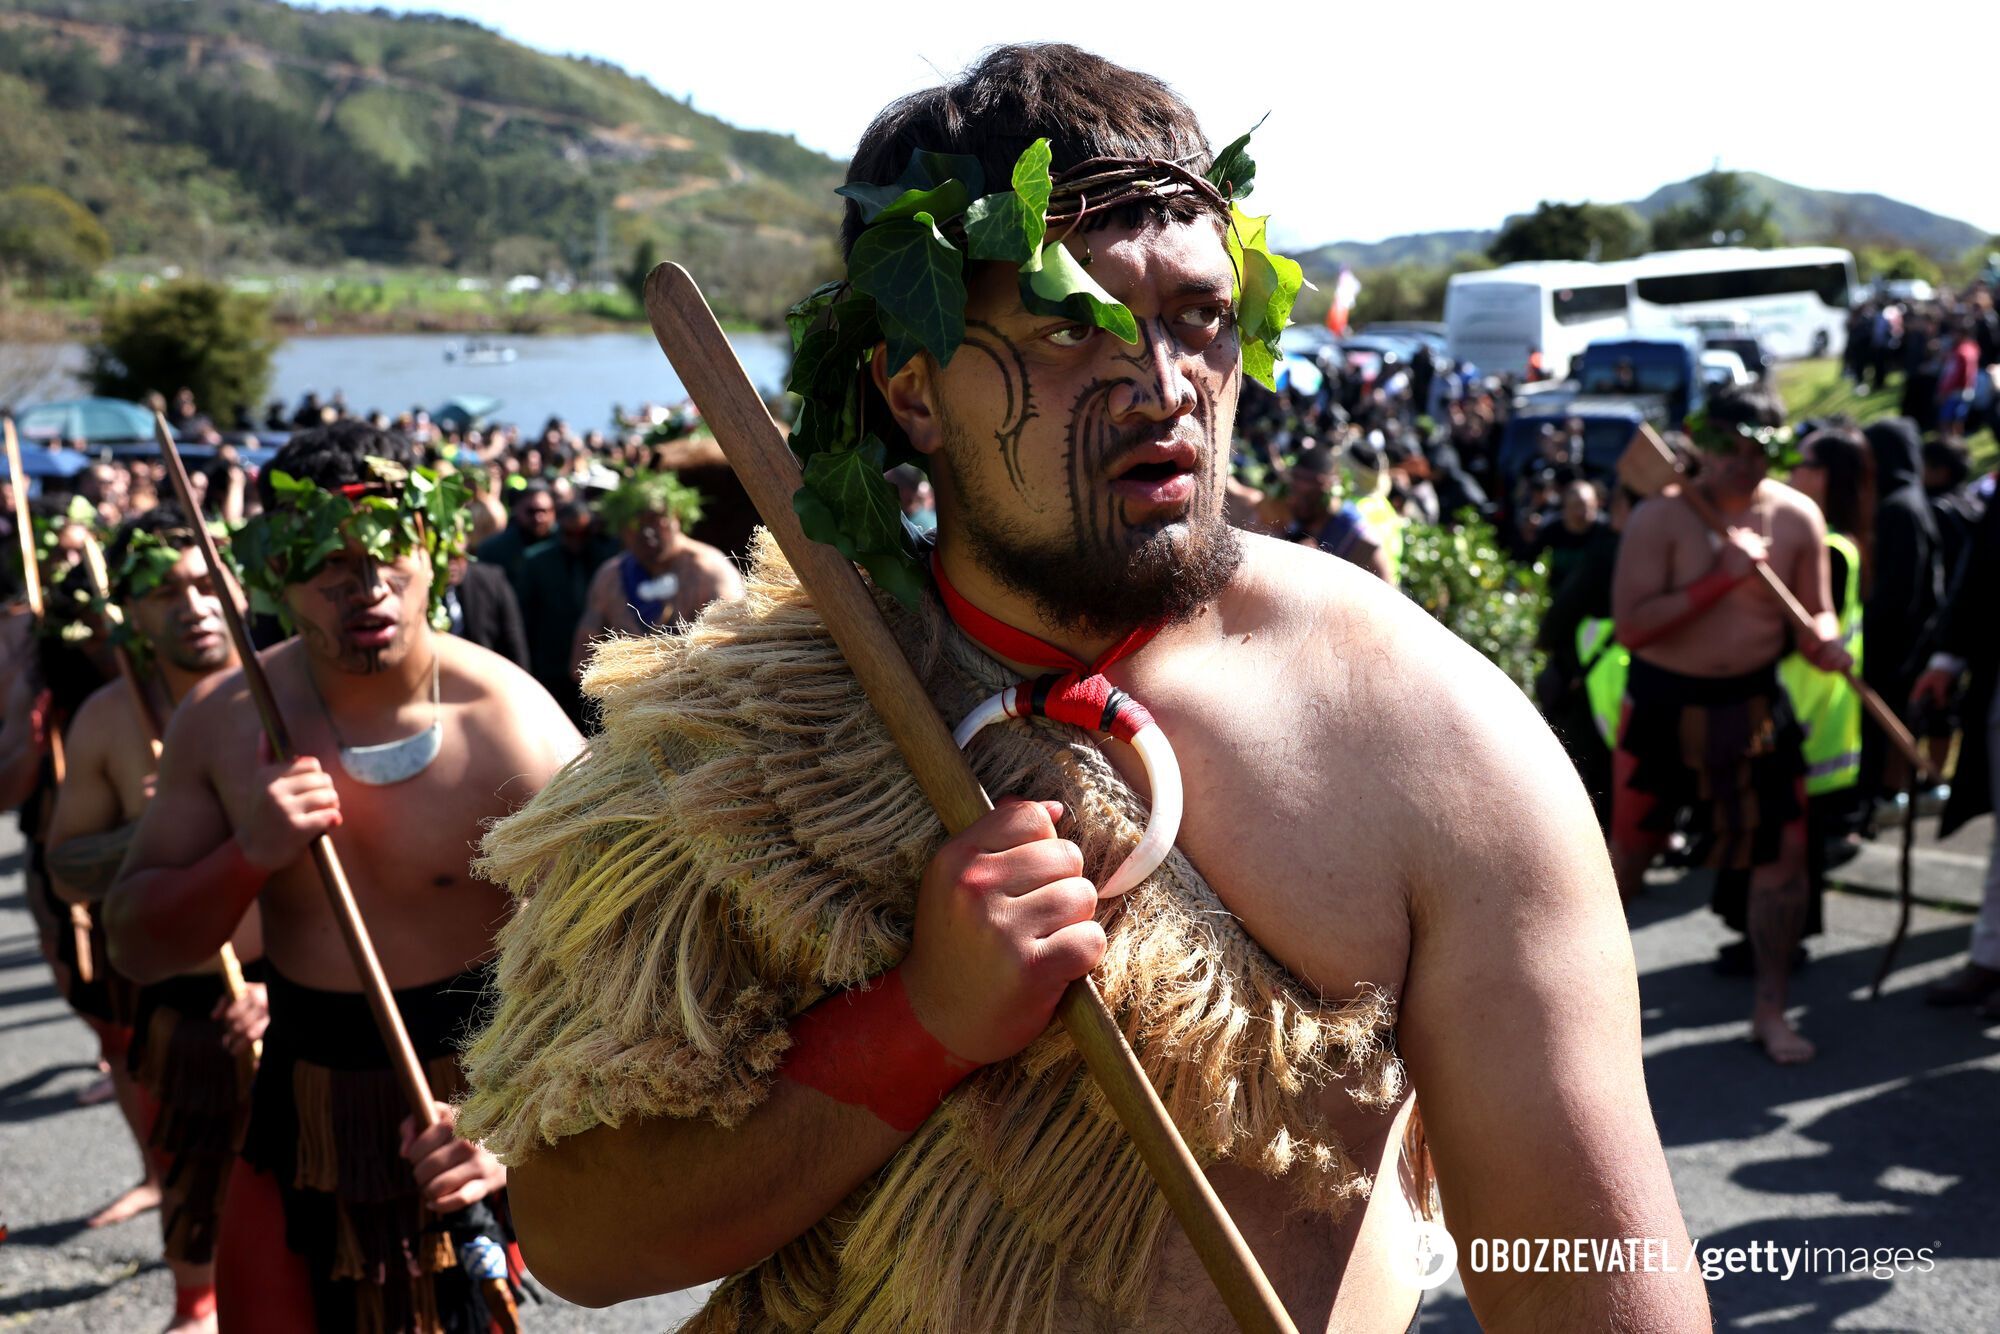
(742, 839)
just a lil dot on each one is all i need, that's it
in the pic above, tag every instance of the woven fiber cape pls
(744, 838)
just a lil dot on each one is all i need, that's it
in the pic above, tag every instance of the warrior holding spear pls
(408, 742)
(761, 1017)
(192, 1041)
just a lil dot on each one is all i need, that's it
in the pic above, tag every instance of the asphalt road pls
(1887, 1140)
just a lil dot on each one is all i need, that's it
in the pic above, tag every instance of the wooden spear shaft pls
(1877, 708)
(707, 365)
(340, 895)
(31, 583)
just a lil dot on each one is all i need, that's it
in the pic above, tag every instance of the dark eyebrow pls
(1201, 287)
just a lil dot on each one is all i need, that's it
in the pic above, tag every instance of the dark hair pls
(572, 509)
(164, 522)
(330, 456)
(1083, 104)
(1746, 405)
(1319, 461)
(1843, 454)
(1950, 457)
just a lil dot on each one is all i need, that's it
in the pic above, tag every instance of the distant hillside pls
(219, 131)
(1805, 216)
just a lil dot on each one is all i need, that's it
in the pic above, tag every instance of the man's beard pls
(1088, 584)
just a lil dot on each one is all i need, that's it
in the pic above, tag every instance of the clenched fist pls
(1005, 922)
(295, 803)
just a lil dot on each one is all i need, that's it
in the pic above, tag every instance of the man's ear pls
(911, 395)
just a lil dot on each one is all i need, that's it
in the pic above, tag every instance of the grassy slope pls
(1817, 389)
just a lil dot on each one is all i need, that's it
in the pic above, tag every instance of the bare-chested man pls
(663, 578)
(191, 1046)
(409, 741)
(1378, 811)
(1708, 727)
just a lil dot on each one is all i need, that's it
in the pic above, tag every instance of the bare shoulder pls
(104, 713)
(510, 709)
(1792, 505)
(1454, 753)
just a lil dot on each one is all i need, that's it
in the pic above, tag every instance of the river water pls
(575, 377)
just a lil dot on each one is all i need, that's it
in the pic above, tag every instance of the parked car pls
(1608, 427)
(1666, 364)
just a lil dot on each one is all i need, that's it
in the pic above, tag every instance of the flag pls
(1345, 289)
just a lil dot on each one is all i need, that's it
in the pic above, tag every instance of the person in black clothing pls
(484, 610)
(1968, 646)
(531, 518)
(1906, 586)
(1584, 593)
(555, 585)
(1947, 470)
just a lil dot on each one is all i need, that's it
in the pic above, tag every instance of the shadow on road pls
(18, 1101)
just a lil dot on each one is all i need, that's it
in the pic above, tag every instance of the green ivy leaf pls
(887, 203)
(928, 170)
(1234, 171)
(851, 484)
(801, 317)
(1011, 226)
(1053, 283)
(917, 280)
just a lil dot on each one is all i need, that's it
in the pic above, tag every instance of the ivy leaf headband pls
(905, 287)
(1778, 443)
(390, 515)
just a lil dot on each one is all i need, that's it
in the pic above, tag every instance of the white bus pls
(1496, 318)
(1795, 300)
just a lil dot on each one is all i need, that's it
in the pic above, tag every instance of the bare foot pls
(103, 1090)
(1781, 1042)
(136, 1201)
(194, 1324)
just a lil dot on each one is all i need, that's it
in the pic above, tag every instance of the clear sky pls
(1386, 118)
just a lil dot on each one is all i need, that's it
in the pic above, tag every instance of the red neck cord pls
(1075, 691)
(1004, 641)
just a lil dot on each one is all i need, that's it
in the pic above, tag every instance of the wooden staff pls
(31, 583)
(701, 355)
(226, 961)
(346, 913)
(1649, 465)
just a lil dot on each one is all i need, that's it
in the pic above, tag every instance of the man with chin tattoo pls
(761, 1018)
(188, 1069)
(409, 741)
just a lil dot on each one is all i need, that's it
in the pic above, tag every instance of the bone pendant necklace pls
(391, 761)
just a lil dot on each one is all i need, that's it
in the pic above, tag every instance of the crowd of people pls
(1656, 632)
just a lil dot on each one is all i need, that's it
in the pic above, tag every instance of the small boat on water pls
(480, 352)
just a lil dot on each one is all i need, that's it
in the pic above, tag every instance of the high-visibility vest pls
(1606, 663)
(1387, 525)
(1827, 705)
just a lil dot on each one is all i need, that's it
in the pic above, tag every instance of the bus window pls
(1574, 305)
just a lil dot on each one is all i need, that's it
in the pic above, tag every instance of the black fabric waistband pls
(1649, 681)
(336, 1029)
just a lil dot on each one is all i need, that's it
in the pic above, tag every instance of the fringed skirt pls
(1726, 749)
(326, 1122)
(202, 1099)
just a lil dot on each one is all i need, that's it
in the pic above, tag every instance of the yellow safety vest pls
(1828, 707)
(1606, 664)
(1387, 525)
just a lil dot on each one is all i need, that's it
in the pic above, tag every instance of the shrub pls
(49, 239)
(192, 334)
(1461, 576)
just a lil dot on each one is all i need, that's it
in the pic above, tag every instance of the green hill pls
(245, 133)
(1805, 216)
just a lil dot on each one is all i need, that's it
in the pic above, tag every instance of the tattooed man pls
(759, 1017)
(408, 742)
(191, 1047)
(1707, 727)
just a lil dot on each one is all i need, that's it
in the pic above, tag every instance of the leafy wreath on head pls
(399, 510)
(905, 287)
(641, 493)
